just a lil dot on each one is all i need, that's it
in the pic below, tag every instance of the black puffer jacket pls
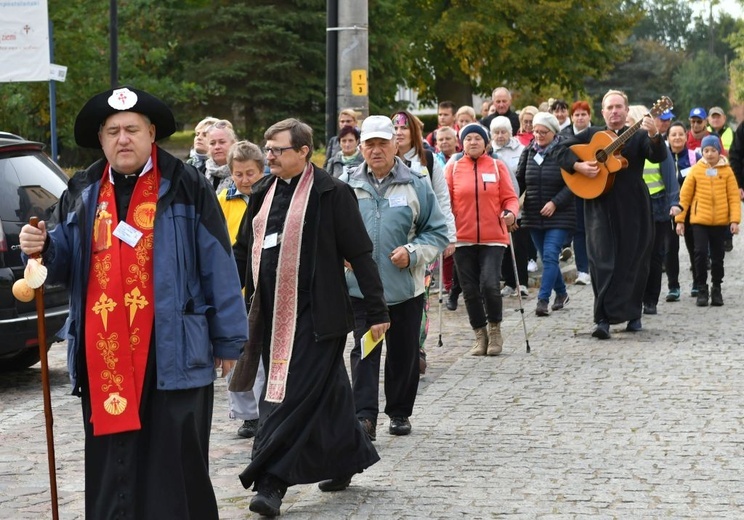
(541, 183)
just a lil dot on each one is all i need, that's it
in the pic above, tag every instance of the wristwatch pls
(410, 248)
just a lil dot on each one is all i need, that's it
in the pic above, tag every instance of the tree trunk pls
(458, 90)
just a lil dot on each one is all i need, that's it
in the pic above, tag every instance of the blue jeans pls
(548, 243)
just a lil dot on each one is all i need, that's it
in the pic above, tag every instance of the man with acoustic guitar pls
(619, 227)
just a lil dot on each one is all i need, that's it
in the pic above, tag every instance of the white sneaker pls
(532, 266)
(507, 291)
(583, 279)
(523, 290)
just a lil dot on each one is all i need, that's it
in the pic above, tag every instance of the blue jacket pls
(199, 309)
(408, 215)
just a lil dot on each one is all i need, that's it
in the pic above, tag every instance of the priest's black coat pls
(619, 227)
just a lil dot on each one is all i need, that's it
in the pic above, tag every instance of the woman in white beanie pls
(509, 150)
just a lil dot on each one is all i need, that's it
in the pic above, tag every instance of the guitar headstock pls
(662, 104)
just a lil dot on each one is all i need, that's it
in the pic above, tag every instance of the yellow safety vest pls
(652, 177)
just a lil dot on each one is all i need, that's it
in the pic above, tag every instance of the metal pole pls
(331, 68)
(114, 43)
(52, 98)
(353, 44)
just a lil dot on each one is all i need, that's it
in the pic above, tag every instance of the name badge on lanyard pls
(127, 234)
(271, 240)
(539, 158)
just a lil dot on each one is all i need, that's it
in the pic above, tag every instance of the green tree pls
(646, 75)
(475, 45)
(664, 21)
(81, 42)
(700, 82)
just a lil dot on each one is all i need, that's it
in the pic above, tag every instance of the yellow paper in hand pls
(368, 344)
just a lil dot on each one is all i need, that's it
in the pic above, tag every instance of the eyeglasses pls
(696, 121)
(541, 132)
(277, 150)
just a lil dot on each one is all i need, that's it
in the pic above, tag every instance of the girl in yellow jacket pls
(711, 196)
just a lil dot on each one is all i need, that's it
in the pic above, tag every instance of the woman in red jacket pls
(485, 205)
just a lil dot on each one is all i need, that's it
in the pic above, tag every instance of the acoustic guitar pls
(605, 148)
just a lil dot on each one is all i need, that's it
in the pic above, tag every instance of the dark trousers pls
(478, 269)
(401, 361)
(709, 238)
(672, 254)
(521, 241)
(653, 282)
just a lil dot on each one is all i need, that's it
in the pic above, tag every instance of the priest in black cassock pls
(300, 228)
(619, 224)
(140, 241)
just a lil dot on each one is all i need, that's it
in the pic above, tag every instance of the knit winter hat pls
(711, 140)
(547, 120)
(474, 127)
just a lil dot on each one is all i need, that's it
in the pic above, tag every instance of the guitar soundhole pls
(601, 156)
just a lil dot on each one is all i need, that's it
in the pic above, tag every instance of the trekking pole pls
(41, 329)
(519, 289)
(441, 272)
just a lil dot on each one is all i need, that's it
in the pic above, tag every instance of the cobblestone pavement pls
(645, 425)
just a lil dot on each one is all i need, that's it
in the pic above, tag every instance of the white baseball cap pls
(380, 127)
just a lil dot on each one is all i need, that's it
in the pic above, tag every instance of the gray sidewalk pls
(644, 425)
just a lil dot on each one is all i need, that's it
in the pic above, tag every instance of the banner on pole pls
(24, 40)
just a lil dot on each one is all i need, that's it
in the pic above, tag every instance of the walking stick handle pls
(46, 387)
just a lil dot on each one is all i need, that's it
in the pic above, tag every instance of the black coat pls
(619, 228)
(333, 231)
(542, 183)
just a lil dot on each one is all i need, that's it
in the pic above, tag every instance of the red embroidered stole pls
(120, 306)
(287, 273)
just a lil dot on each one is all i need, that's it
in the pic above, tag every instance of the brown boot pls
(495, 341)
(481, 342)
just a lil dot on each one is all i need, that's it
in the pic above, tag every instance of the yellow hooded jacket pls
(711, 199)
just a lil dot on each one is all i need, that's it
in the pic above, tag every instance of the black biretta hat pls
(121, 99)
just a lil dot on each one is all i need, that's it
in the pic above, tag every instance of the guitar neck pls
(623, 138)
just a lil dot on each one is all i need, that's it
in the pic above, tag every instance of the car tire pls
(22, 361)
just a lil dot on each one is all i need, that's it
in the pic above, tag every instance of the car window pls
(28, 187)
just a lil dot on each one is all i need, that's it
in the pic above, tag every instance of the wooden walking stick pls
(41, 326)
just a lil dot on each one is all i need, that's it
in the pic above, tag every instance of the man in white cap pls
(300, 228)
(155, 307)
(403, 219)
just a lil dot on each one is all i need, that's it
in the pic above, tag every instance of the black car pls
(30, 185)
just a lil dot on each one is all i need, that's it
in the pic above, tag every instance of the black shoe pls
(269, 493)
(542, 308)
(370, 427)
(649, 308)
(451, 303)
(334, 484)
(634, 325)
(399, 426)
(249, 428)
(716, 298)
(266, 504)
(559, 302)
(702, 296)
(602, 331)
